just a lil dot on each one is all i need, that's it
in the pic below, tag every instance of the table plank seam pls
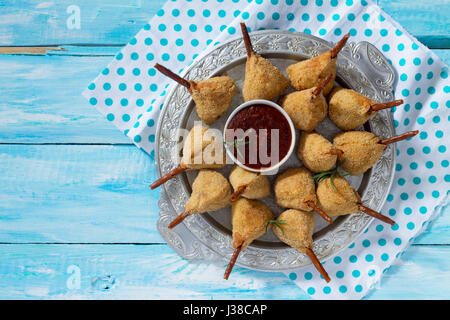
(159, 244)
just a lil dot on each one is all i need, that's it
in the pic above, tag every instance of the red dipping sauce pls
(259, 117)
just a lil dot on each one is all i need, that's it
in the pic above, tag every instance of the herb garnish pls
(330, 173)
(276, 223)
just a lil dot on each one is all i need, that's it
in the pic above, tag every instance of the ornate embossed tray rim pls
(360, 65)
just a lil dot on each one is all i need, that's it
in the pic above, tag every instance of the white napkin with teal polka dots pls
(130, 93)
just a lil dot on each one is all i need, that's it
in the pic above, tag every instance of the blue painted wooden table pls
(77, 219)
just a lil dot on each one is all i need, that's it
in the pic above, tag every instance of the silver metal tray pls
(360, 66)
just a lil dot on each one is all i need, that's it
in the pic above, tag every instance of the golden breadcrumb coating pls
(294, 187)
(361, 150)
(202, 150)
(305, 109)
(314, 152)
(210, 192)
(262, 79)
(257, 186)
(348, 109)
(249, 219)
(343, 200)
(309, 73)
(296, 229)
(213, 97)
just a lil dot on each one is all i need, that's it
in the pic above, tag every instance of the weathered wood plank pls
(94, 194)
(38, 22)
(156, 272)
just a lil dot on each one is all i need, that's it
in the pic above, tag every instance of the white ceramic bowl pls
(275, 167)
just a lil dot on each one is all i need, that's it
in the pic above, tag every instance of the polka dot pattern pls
(130, 93)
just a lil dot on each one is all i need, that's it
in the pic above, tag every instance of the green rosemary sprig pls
(236, 142)
(276, 223)
(330, 173)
